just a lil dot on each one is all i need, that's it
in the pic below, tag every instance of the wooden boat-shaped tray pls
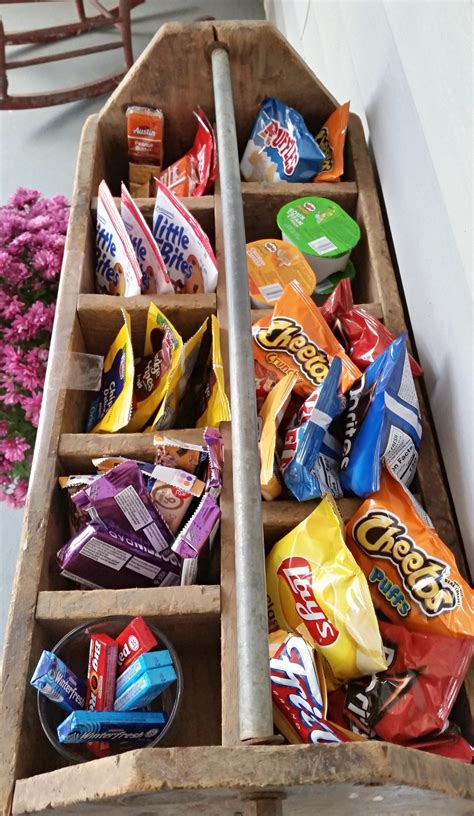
(203, 767)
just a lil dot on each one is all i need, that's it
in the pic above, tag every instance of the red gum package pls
(414, 696)
(363, 336)
(101, 677)
(135, 640)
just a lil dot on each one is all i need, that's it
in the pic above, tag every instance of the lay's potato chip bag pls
(112, 407)
(412, 575)
(296, 339)
(163, 348)
(316, 589)
(271, 415)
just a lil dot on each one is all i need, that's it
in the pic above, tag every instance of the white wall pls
(406, 68)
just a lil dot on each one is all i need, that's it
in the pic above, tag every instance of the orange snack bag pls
(296, 339)
(145, 135)
(331, 140)
(180, 177)
(412, 575)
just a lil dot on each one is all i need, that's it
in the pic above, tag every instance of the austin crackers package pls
(412, 575)
(280, 148)
(184, 246)
(136, 639)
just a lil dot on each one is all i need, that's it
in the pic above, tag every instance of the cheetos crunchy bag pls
(316, 590)
(296, 339)
(412, 575)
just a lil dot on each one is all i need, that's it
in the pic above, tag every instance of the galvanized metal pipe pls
(256, 722)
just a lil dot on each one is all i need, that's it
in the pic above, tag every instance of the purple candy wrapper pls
(119, 499)
(205, 518)
(108, 559)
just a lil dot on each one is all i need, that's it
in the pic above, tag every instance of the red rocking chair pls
(119, 17)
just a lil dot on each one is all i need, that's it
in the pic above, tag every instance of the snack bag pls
(297, 339)
(163, 348)
(383, 421)
(111, 409)
(412, 575)
(176, 454)
(212, 405)
(299, 692)
(189, 176)
(271, 265)
(448, 744)
(316, 589)
(116, 267)
(311, 455)
(172, 492)
(280, 148)
(184, 247)
(178, 380)
(155, 276)
(72, 485)
(414, 696)
(271, 415)
(363, 336)
(331, 140)
(145, 135)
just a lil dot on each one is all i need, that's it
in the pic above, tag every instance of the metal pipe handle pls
(255, 717)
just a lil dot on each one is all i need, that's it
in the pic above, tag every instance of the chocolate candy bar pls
(53, 679)
(143, 690)
(136, 639)
(112, 726)
(119, 499)
(146, 662)
(109, 559)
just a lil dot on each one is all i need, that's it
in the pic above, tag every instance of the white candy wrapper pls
(184, 246)
(155, 278)
(117, 269)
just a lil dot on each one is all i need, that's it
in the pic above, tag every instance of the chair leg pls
(3, 70)
(80, 10)
(124, 11)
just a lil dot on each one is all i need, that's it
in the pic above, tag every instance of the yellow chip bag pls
(272, 413)
(178, 380)
(112, 407)
(217, 408)
(316, 589)
(163, 348)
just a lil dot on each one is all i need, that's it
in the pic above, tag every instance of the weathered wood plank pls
(281, 516)
(77, 450)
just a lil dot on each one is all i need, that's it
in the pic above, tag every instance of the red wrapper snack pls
(135, 640)
(412, 575)
(299, 693)
(449, 744)
(363, 336)
(191, 174)
(414, 696)
(297, 339)
(101, 676)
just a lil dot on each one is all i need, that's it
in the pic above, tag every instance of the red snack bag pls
(448, 744)
(101, 677)
(135, 640)
(414, 696)
(189, 176)
(363, 335)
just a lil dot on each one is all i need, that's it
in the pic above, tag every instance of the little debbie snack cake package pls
(117, 269)
(155, 276)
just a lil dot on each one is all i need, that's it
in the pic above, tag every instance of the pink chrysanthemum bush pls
(32, 236)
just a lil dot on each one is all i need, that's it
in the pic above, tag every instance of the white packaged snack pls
(155, 278)
(184, 246)
(117, 269)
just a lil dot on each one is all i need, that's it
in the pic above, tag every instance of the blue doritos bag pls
(281, 147)
(383, 422)
(311, 455)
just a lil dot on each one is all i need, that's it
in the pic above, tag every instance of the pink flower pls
(14, 448)
(32, 407)
(3, 427)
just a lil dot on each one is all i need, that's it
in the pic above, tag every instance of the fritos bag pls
(383, 421)
(316, 589)
(363, 336)
(271, 415)
(299, 693)
(116, 267)
(163, 348)
(297, 339)
(414, 696)
(155, 276)
(331, 139)
(412, 575)
(184, 246)
(111, 409)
